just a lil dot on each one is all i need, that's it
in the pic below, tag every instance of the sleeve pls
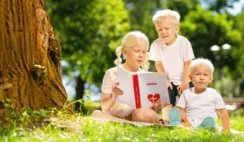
(154, 53)
(182, 102)
(219, 103)
(107, 84)
(189, 54)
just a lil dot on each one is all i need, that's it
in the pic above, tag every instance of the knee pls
(96, 113)
(145, 115)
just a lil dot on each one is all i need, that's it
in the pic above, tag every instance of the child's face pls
(136, 55)
(201, 76)
(167, 30)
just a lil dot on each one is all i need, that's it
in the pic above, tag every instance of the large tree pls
(29, 56)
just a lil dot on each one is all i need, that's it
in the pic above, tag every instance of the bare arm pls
(160, 68)
(182, 114)
(108, 100)
(186, 78)
(224, 116)
(184, 120)
(185, 82)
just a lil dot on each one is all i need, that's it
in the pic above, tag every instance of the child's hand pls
(183, 117)
(183, 86)
(169, 85)
(116, 91)
(158, 105)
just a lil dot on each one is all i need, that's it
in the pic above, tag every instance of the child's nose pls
(163, 31)
(140, 54)
(201, 77)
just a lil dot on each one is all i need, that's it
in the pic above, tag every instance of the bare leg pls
(165, 112)
(107, 115)
(145, 115)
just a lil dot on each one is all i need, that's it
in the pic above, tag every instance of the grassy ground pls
(77, 128)
(60, 126)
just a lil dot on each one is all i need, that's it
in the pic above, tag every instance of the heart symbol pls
(153, 98)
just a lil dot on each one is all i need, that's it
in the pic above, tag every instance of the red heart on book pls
(153, 98)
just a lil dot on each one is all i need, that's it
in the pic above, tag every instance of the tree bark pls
(79, 89)
(29, 56)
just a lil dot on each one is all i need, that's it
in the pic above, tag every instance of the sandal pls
(174, 116)
(207, 123)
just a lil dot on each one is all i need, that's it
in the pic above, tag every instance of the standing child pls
(134, 48)
(172, 54)
(200, 104)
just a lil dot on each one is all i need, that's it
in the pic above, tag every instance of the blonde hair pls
(129, 41)
(201, 61)
(167, 13)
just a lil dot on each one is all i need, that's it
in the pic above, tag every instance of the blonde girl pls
(134, 50)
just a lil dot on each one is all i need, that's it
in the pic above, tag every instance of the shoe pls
(207, 123)
(174, 116)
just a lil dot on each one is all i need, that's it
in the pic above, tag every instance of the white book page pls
(126, 85)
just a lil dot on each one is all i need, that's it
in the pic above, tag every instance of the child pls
(200, 104)
(172, 54)
(134, 48)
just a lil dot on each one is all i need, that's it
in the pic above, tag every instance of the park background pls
(90, 31)
(34, 104)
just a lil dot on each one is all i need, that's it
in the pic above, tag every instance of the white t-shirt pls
(200, 106)
(172, 57)
(109, 79)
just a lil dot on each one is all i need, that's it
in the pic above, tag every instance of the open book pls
(142, 89)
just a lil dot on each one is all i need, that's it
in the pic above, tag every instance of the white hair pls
(167, 13)
(129, 41)
(200, 61)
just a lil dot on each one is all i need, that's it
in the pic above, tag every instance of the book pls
(142, 89)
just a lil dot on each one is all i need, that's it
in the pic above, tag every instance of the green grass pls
(59, 126)
(76, 128)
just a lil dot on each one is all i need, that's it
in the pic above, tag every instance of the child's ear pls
(211, 79)
(190, 76)
(123, 51)
(177, 28)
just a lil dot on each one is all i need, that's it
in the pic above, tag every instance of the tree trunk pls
(29, 56)
(79, 89)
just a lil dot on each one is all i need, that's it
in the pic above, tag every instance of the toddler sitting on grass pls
(199, 105)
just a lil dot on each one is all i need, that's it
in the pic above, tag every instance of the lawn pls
(65, 127)
(59, 126)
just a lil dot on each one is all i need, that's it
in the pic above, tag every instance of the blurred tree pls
(238, 52)
(29, 58)
(89, 32)
(182, 6)
(140, 15)
(219, 6)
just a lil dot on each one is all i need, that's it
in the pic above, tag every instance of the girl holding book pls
(134, 49)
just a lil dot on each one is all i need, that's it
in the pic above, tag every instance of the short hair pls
(199, 61)
(166, 13)
(129, 41)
